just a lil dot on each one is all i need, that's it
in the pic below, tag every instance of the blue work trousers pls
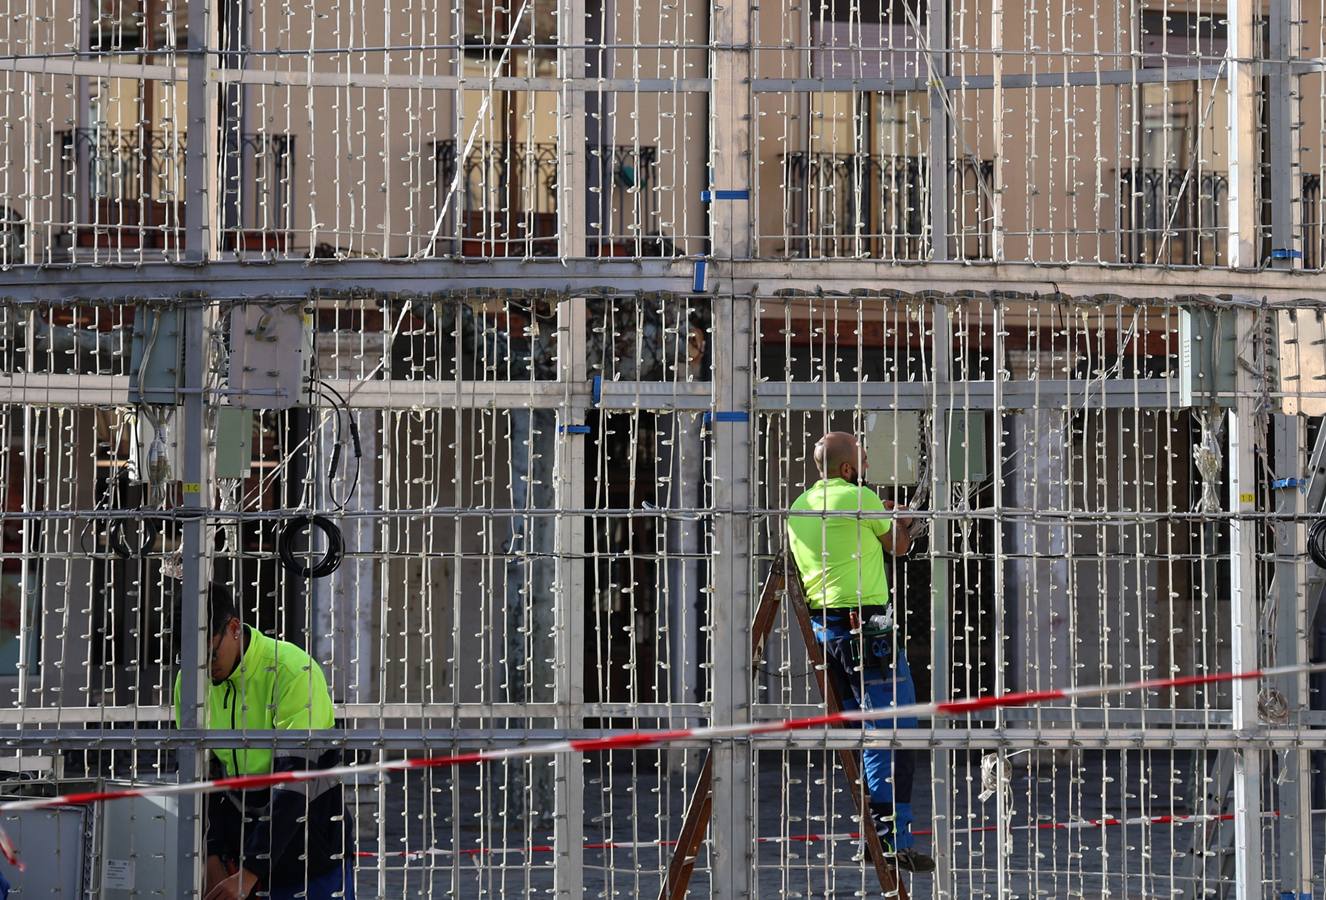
(888, 773)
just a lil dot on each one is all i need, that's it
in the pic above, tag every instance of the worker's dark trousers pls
(888, 773)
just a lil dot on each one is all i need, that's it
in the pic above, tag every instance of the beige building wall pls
(364, 176)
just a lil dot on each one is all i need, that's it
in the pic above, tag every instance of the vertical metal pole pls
(941, 164)
(1244, 128)
(569, 599)
(1244, 624)
(1294, 786)
(1003, 811)
(572, 366)
(997, 97)
(1241, 84)
(200, 175)
(941, 613)
(1282, 142)
(731, 235)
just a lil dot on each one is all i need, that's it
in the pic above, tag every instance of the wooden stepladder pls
(782, 575)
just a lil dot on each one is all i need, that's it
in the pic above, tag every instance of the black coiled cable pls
(1317, 543)
(331, 557)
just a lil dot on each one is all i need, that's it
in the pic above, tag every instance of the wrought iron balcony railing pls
(849, 204)
(125, 188)
(1172, 216)
(506, 202)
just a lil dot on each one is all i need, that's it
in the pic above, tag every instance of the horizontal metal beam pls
(233, 280)
(43, 389)
(111, 68)
(1091, 78)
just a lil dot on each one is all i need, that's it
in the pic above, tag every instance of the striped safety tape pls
(639, 739)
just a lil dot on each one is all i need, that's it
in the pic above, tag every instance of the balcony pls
(124, 190)
(506, 202)
(1171, 216)
(1313, 241)
(856, 205)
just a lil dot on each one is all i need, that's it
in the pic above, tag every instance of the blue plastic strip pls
(698, 285)
(1283, 483)
(730, 416)
(573, 429)
(711, 196)
(1286, 254)
(596, 389)
(1291, 895)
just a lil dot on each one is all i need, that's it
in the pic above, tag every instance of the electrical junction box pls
(894, 447)
(53, 843)
(156, 356)
(966, 446)
(271, 346)
(234, 442)
(139, 847)
(1302, 362)
(1208, 355)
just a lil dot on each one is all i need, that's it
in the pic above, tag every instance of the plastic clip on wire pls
(331, 557)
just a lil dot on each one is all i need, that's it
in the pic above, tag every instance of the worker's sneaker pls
(914, 861)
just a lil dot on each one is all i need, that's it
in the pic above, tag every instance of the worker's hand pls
(905, 521)
(237, 887)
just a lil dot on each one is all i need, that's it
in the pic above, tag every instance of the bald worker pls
(845, 573)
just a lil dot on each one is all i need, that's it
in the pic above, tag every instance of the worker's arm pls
(898, 539)
(299, 701)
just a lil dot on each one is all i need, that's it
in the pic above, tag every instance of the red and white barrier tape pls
(639, 739)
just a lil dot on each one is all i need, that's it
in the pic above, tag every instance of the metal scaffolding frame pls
(737, 281)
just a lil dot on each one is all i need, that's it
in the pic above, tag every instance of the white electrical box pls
(893, 447)
(271, 346)
(139, 848)
(1302, 363)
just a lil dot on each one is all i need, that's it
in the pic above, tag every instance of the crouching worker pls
(293, 840)
(842, 563)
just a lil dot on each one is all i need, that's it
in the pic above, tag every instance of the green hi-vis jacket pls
(277, 687)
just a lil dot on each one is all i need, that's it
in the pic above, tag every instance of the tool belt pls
(870, 646)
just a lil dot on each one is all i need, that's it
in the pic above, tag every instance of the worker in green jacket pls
(294, 840)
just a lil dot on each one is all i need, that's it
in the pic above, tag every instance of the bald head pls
(838, 455)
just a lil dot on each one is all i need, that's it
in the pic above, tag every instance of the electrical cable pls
(1317, 543)
(331, 557)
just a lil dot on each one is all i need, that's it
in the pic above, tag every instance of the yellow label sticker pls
(192, 487)
(1247, 498)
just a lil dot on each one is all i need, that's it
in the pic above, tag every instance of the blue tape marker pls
(698, 285)
(573, 429)
(729, 416)
(1290, 895)
(711, 196)
(1283, 483)
(596, 390)
(1286, 254)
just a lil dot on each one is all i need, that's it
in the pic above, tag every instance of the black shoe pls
(913, 861)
